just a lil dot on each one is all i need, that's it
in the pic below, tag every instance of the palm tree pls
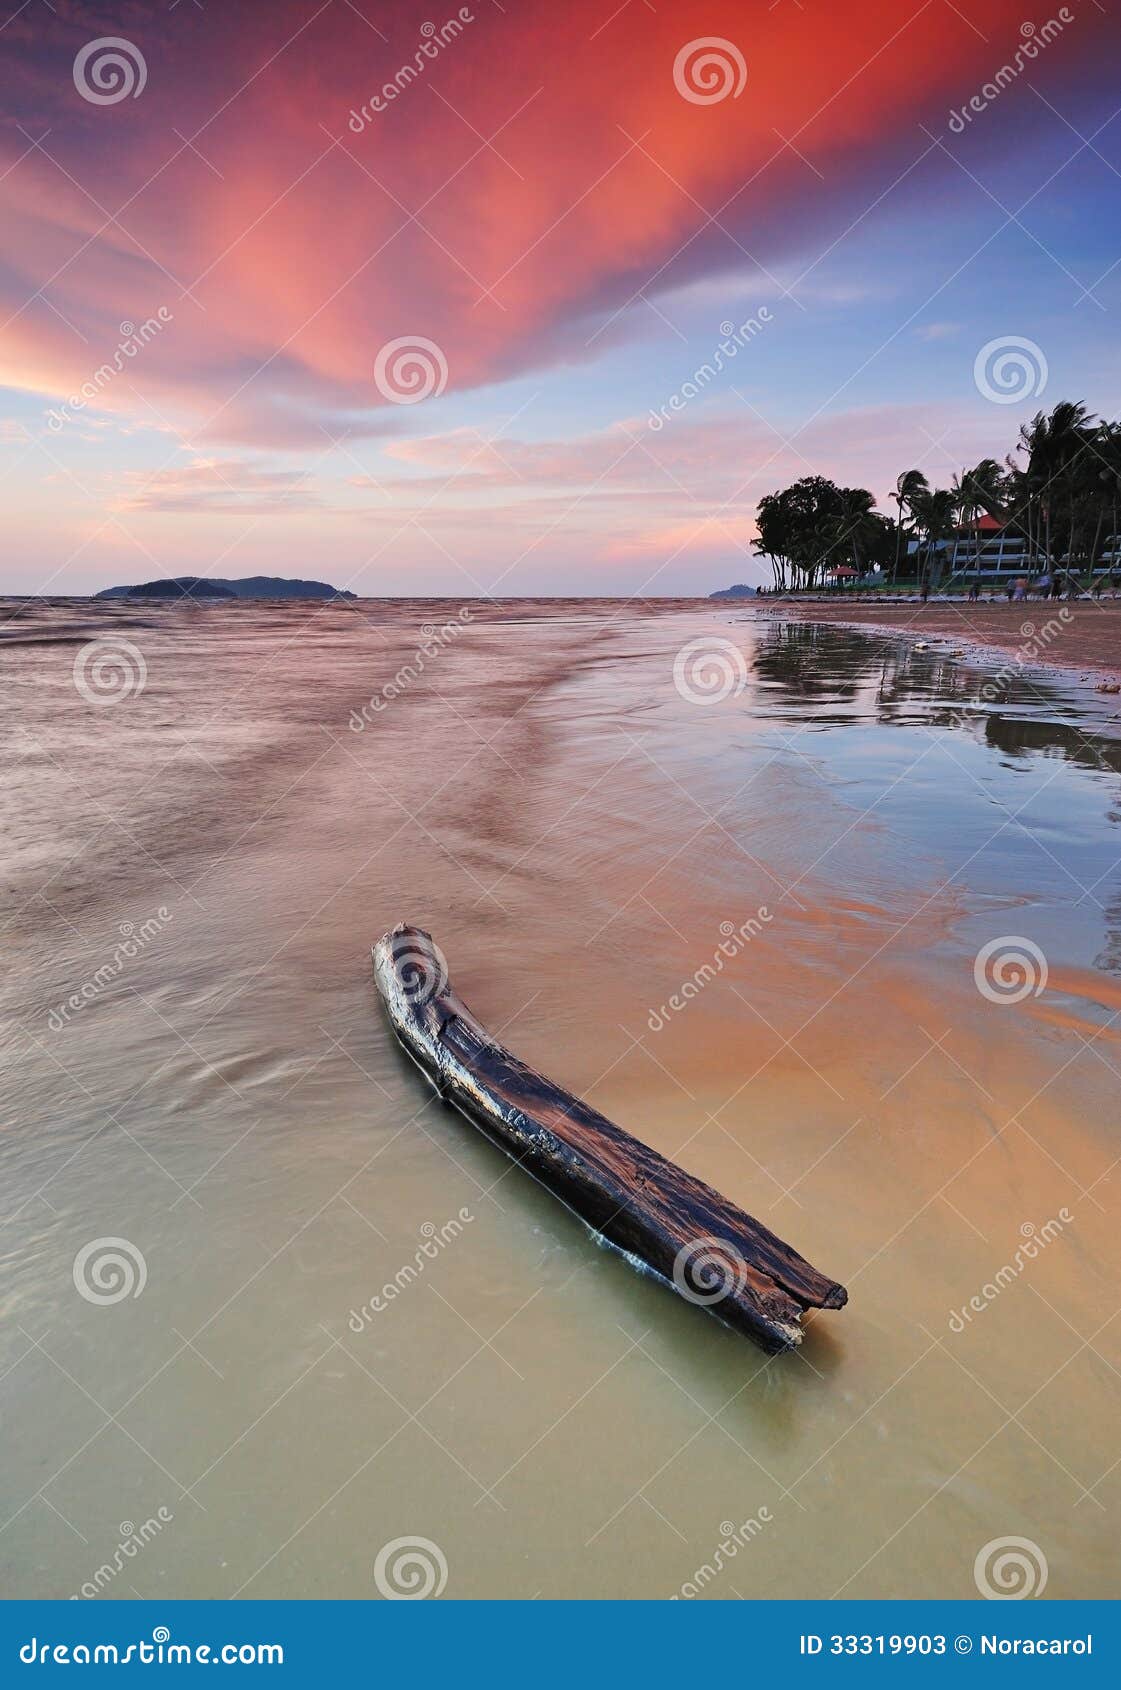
(909, 485)
(1052, 444)
(855, 525)
(934, 513)
(977, 492)
(960, 492)
(1109, 475)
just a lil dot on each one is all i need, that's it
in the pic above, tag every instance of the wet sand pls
(578, 829)
(1078, 635)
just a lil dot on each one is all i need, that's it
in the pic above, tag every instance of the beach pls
(1080, 635)
(339, 1316)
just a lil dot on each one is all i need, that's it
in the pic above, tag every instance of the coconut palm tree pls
(910, 484)
(1109, 476)
(977, 492)
(934, 512)
(1052, 444)
(855, 527)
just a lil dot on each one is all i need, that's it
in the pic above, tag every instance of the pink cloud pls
(529, 180)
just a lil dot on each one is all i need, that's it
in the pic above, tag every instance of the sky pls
(527, 297)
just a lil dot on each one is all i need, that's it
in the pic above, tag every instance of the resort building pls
(988, 547)
(984, 547)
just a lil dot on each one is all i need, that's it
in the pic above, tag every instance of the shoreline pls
(1079, 640)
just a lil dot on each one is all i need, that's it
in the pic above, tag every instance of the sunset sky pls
(559, 208)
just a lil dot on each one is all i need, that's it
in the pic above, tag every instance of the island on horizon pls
(201, 587)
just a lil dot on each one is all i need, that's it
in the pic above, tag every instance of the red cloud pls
(296, 199)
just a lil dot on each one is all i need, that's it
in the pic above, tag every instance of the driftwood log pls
(709, 1250)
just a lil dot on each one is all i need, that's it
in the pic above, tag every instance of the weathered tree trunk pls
(710, 1251)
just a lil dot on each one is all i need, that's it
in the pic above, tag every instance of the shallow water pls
(202, 866)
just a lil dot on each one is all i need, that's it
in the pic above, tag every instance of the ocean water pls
(269, 1308)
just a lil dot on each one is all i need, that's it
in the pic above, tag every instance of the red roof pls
(987, 524)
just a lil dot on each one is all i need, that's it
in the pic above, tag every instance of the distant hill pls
(182, 587)
(249, 587)
(739, 591)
